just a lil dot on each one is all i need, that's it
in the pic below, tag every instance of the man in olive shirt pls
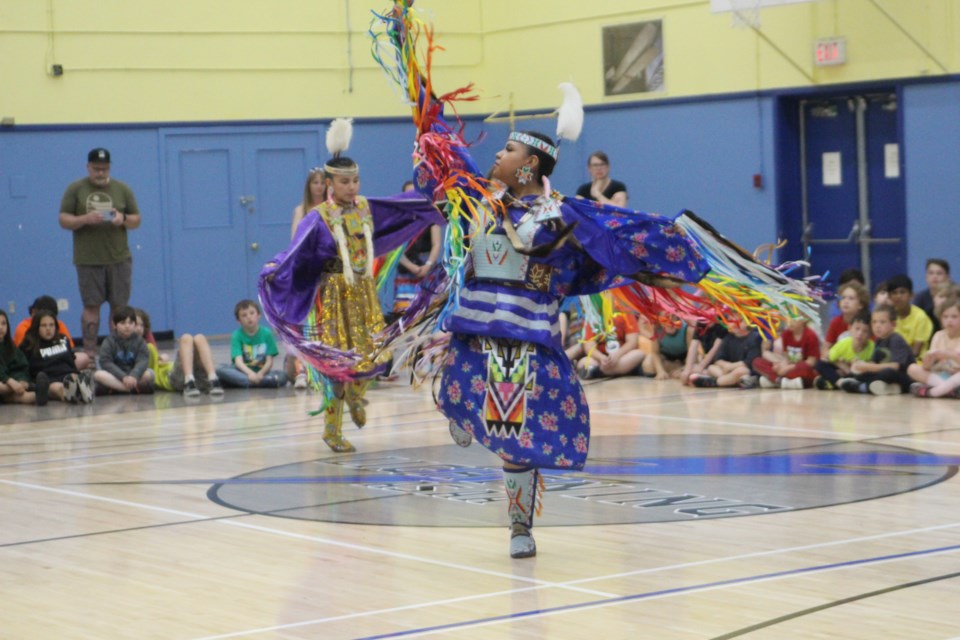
(99, 211)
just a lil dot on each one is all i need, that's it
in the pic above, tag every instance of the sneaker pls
(273, 381)
(791, 383)
(767, 383)
(850, 385)
(300, 382)
(215, 388)
(85, 387)
(589, 374)
(43, 389)
(920, 390)
(702, 381)
(881, 388)
(749, 382)
(823, 384)
(71, 388)
(190, 389)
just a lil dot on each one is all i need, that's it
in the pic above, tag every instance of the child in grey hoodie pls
(124, 358)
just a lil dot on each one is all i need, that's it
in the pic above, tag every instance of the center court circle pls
(627, 480)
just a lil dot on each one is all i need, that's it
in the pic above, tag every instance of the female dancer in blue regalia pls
(508, 382)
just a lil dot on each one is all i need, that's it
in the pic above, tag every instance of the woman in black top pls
(601, 188)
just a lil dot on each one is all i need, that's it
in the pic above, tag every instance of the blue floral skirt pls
(520, 400)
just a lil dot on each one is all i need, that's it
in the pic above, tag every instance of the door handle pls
(854, 232)
(254, 246)
(247, 201)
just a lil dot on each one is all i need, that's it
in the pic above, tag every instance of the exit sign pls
(830, 51)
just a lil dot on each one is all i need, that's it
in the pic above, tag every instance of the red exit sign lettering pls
(830, 51)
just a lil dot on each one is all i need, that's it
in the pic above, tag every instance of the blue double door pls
(229, 198)
(852, 185)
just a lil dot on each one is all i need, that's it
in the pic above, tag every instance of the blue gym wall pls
(931, 115)
(699, 154)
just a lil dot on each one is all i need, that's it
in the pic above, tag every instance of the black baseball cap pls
(98, 155)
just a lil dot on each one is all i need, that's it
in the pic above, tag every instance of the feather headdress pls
(570, 113)
(338, 136)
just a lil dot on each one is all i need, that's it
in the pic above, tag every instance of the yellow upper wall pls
(217, 60)
(705, 54)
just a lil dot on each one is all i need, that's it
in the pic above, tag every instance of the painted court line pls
(611, 601)
(313, 440)
(298, 536)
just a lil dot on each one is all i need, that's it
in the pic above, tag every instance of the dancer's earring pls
(524, 174)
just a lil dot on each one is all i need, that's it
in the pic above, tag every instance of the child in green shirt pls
(856, 346)
(252, 350)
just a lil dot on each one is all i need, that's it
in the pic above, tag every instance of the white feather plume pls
(570, 113)
(338, 135)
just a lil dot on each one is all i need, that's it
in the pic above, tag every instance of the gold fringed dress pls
(349, 314)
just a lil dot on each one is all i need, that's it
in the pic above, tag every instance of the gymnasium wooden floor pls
(703, 514)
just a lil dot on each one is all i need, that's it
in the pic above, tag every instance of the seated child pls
(571, 320)
(851, 274)
(52, 362)
(791, 366)
(612, 355)
(47, 302)
(668, 348)
(124, 357)
(852, 298)
(886, 372)
(252, 350)
(731, 367)
(703, 348)
(942, 293)
(179, 375)
(939, 375)
(937, 274)
(15, 386)
(912, 323)
(881, 295)
(856, 346)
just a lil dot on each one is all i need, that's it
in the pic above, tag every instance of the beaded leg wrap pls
(333, 427)
(354, 397)
(522, 487)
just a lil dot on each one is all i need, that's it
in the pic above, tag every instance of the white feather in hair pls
(338, 136)
(570, 114)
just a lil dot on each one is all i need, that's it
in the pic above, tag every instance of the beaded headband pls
(536, 143)
(342, 171)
